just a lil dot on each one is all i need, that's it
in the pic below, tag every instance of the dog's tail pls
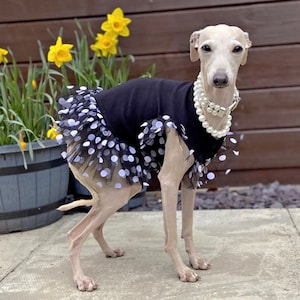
(76, 204)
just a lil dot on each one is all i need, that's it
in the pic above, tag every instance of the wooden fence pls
(267, 119)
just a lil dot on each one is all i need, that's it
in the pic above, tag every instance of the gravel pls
(274, 195)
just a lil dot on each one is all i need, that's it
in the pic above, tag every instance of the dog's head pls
(221, 50)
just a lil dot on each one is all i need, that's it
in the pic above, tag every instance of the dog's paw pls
(188, 275)
(199, 263)
(85, 284)
(115, 253)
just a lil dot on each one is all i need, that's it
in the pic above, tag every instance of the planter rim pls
(4, 149)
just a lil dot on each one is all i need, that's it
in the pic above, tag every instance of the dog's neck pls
(214, 106)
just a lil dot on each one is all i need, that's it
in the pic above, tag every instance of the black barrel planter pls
(29, 197)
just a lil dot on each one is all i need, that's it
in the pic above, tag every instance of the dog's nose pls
(220, 80)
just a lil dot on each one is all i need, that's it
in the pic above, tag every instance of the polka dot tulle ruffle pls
(92, 146)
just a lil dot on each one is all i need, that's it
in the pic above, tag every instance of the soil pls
(274, 195)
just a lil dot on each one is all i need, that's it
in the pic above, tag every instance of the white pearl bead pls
(205, 124)
(209, 129)
(201, 118)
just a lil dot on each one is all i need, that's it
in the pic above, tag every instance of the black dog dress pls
(126, 127)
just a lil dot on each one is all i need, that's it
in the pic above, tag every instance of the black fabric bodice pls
(127, 106)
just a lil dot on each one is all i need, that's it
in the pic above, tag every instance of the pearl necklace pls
(201, 102)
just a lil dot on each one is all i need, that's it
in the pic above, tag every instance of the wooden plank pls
(251, 177)
(177, 27)
(28, 10)
(246, 177)
(263, 149)
(268, 108)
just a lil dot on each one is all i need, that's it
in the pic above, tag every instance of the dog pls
(118, 137)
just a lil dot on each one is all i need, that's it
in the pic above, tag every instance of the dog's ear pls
(248, 44)
(194, 45)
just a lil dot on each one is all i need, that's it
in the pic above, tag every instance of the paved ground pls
(255, 254)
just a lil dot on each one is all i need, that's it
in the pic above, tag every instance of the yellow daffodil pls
(3, 53)
(52, 133)
(105, 45)
(33, 84)
(60, 53)
(116, 23)
(22, 144)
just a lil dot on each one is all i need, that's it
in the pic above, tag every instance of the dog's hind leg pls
(187, 201)
(107, 250)
(107, 201)
(98, 233)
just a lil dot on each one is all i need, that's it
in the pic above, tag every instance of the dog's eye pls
(237, 49)
(206, 48)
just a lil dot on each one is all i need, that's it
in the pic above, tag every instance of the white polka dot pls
(91, 137)
(111, 144)
(147, 159)
(71, 122)
(64, 154)
(86, 144)
(90, 119)
(228, 171)
(94, 125)
(161, 151)
(130, 158)
(91, 151)
(122, 173)
(210, 176)
(118, 185)
(114, 158)
(135, 179)
(103, 173)
(222, 157)
(132, 150)
(73, 133)
(233, 140)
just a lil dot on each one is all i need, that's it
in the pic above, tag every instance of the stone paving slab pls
(255, 254)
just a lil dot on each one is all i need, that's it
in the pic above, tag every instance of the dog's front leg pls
(187, 201)
(175, 165)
